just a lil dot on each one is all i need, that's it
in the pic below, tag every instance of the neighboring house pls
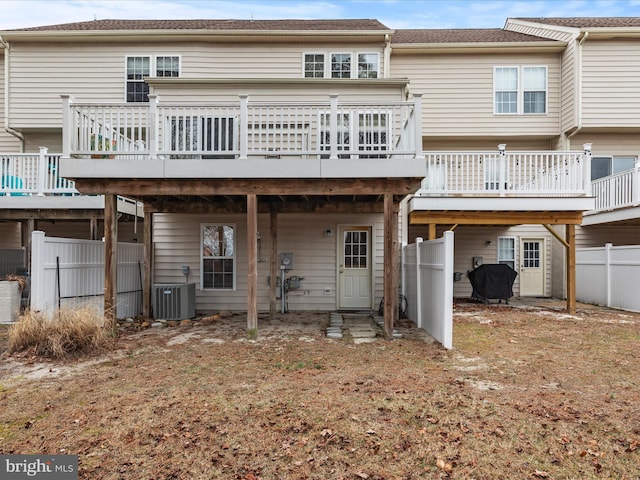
(254, 141)
(496, 166)
(600, 70)
(33, 195)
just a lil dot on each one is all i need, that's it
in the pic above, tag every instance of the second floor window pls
(138, 69)
(341, 65)
(520, 90)
(142, 67)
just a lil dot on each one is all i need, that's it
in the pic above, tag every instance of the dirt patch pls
(526, 393)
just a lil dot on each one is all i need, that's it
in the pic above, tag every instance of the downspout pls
(387, 56)
(7, 62)
(579, 92)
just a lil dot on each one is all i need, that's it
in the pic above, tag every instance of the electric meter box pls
(286, 261)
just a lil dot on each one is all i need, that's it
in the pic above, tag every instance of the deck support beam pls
(432, 231)
(390, 262)
(110, 259)
(570, 238)
(148, 259)
(252, 267)
(273, 264)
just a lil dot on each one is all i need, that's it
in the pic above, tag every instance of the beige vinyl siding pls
(176, 242)
(95, 72)
(458, 99)
(598, 235)
(609, 143)
(484, 144)
(569, 86)
(33, 140)
(82, 229)
(279, 92)
(10, 235)
(471, 241)
(611, 90)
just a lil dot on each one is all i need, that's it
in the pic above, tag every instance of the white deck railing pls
(503, 173)
(617, 191)
(33, 174)
(241, 129)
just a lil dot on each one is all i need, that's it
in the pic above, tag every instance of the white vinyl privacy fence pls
(427, 283)
(609, 276)
(69, 272)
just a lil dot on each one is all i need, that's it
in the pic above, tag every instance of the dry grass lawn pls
(525, 394)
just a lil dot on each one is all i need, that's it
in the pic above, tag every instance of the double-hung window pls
(507, 251)
(520, 90)
(139, 68)
(341, 65)
(218, 257)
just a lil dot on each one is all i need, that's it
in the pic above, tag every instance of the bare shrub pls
(70, 332)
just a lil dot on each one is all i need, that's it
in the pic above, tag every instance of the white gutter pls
(8, 129)
(579, 92)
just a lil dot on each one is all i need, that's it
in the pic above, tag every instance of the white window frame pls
(354, 70)
(520, 91)
(324, 63)
(506, 261)
(233, 257)
(153, 71)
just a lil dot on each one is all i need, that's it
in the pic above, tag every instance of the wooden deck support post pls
(27, 227)
(570, 238)
(110, 259)
(252, 267)
(432, 231)
(390, 261)
(148, 259)
(273, 264)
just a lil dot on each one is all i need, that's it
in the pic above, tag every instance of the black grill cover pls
(493, 280)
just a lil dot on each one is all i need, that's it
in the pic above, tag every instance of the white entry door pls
(532, 267)
(354, 268)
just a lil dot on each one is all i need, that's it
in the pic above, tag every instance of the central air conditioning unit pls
(174, 301)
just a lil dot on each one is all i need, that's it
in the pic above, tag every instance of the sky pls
(395, 14)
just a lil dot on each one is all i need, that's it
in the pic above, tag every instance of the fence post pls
(42, 170)
(419, 292)
(607, 271)
(447, 332)
(244, 126)
(36, 270)
(152, 126)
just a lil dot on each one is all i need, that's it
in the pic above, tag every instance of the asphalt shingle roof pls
(480, 35)
(586, 22)
(258, 25)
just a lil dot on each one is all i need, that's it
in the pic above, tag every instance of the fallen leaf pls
(541, 474)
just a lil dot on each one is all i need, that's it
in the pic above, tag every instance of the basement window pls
(218, 257)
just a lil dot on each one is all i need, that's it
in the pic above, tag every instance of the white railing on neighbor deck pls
(617, 191)
(508, 173)
(242, 129)
(33, 174)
